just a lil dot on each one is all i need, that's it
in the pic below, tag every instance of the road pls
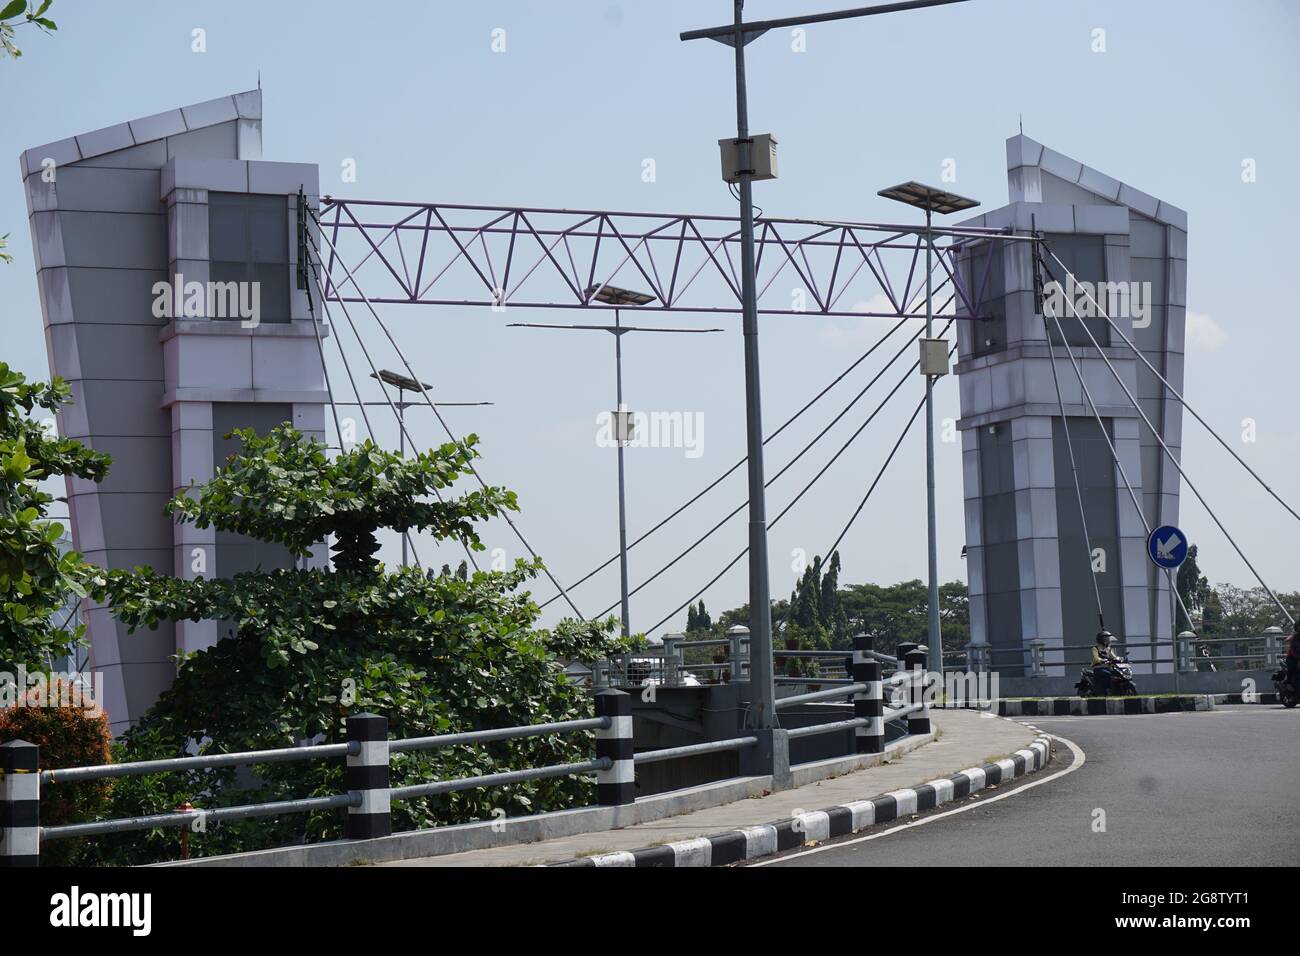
(1214, 788)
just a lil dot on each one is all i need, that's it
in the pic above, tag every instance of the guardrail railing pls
(368, 795)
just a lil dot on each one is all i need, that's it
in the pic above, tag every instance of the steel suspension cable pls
(732, 563)
(741, 507)
(1069, 446)
(338, 341)
(1114, 454)
(1156, 434)
(1182, 401)
(424, 393)
(879, 474)
(730, 471)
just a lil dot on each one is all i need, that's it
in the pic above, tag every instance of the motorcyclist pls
(1102, 659)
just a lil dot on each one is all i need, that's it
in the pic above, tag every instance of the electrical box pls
(762, 156)
(934, 357)
(624, 425)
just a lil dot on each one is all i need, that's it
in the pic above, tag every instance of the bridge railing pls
(1187, 652)
(368, 796)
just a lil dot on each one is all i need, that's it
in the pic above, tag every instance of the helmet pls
(1103, 638)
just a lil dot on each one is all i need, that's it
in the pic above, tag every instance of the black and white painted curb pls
(750, 843)
(1086, 706)
(1256, 698)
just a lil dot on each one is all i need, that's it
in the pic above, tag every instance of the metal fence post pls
(616, 786)
(20, 804)
(918, 722)
(867, 705)
(367, 777)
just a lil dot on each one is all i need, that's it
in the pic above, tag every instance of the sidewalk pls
(966, 739)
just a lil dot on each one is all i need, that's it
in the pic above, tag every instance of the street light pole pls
(622, 498)
(762, 711)
(936, 637)
(737, 34)
(931, 200)
(615, 296)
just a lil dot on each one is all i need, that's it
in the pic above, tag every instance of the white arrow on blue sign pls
(1167, 547)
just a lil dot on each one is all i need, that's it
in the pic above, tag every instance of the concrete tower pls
(1027, 562)
(119, 217)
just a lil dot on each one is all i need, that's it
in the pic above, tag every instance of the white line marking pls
(1075, 749)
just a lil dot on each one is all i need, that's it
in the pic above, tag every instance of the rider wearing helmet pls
(1102, 656)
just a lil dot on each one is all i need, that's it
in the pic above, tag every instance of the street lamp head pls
(613, 295)
(928, 198)
(404, 382)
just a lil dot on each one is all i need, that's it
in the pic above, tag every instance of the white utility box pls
(762, 156)
(934, 357)
(624, 425)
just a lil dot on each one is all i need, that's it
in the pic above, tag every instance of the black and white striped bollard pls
(20, 806)
(367, 775)
(868, 704)
(918, 722)
(616, 786)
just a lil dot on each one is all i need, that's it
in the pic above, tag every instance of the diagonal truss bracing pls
(522, 257)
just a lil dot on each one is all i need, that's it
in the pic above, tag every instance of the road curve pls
(1217, 788)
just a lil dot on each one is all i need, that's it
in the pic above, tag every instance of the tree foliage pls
(69, 736)
(434, 653)
(36, 579)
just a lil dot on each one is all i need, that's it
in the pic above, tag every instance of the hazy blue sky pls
(586, 91)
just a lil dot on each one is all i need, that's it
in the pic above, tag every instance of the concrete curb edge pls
(750, 843)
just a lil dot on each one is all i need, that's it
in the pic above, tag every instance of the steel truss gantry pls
(524, 257)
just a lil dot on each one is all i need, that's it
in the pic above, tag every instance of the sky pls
(417, 98)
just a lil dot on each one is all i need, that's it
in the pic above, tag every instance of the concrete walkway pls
(966, 739)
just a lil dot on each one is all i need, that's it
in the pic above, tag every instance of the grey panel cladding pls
(1096, 475)
(237, 552)
(1000, 551)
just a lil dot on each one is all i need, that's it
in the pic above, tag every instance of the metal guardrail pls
(368, 753)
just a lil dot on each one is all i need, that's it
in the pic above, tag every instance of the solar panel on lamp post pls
(404, 384)
(619, 298)
(932, 200)
(762, 705)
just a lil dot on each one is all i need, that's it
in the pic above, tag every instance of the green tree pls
(435, 653)
(36, 580)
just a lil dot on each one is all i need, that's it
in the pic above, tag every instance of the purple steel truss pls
(519, 257)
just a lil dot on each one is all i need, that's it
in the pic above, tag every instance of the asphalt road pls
(1217, 788)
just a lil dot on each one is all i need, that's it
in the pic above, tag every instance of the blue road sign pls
(1167, 547)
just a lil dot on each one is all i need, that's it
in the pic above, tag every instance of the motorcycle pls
(1120, 672)
(1287, 694)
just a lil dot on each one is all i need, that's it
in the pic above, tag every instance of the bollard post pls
(616, 786)
(869, 704)
(20, 804)
(918, 722)
(367, 776)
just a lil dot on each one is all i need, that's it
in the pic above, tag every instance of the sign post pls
(1167, 549)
